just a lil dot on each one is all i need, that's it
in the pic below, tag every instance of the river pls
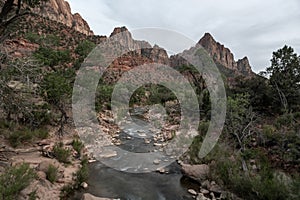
(107, 182)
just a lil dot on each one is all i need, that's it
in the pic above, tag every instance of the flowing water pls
(107, 182)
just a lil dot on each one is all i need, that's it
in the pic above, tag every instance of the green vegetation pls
(52, 173)
(14, 180)
(77, 146)
(81, 176)
(56, 89)
(61, 153)
(25, 135)
(259, 151)
(51, 57)
(84, 48)
(285, 78)
(83, 173)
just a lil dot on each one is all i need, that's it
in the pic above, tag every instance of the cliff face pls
(223, 55)
(60, 11)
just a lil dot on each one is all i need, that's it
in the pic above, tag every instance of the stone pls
(161, 170)
(156, 162)
(192, 191)
(88, 196)
(43, 166)
(84, 185)
(204, 191)
(41, 175)
(195, 172)
(201, 197)
(205, 184)
(215, 189)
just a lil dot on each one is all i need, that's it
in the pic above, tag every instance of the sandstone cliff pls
(223, 56)
(60, 11)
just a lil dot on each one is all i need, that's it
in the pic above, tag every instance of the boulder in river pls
(196, 172)
(88, 196)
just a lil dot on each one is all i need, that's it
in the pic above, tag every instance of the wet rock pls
(201, 197)
(193, 192)
(196, 172)
(205, 184)
(156, 162)
(108, 154)
(215, 189)
(88, 196)
(204, 191)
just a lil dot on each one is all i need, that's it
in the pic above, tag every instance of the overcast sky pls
(253, 28)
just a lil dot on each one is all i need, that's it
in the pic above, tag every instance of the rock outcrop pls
(60, 11)
(124, 37)
(157, 55)
(223, 55)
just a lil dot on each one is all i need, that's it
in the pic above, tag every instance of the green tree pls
(260, 92)
(56, 89)
(239, 121)
(285, 77)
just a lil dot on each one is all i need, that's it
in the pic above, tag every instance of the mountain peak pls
(223, 56)
(118, 30)
(60, 11)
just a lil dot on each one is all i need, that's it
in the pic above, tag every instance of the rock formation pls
(223, 56)
(60, 11)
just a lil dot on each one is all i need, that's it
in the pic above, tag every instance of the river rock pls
(204, 191)
(195, 172)
(201, 197)
(205, 184)
(215, 188)
(193, 192)
(88, 196)
(156, 162)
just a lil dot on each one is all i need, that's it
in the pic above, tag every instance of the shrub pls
(15, 180)
(33, 37)
(51, 57)
(77, 145)
(83, 173)
(84, 48)
(67, 191)
(52, 173)
(60, 153)
(26, 135)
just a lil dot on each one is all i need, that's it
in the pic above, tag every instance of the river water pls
(107, 182)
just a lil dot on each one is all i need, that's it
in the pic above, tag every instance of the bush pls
(52, 173)
(77, 145)
(26, 135)
(33, 37)
(263, 185)
(84, 48)
(60, 153)
(14, 180)
(67, 191)
(51, 57)
(83, 173)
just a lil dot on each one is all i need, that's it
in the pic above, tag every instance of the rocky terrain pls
(54, 33)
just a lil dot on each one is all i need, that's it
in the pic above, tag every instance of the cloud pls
(253, 28)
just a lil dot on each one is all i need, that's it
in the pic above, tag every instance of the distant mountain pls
(223, 56)
(55, 18)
